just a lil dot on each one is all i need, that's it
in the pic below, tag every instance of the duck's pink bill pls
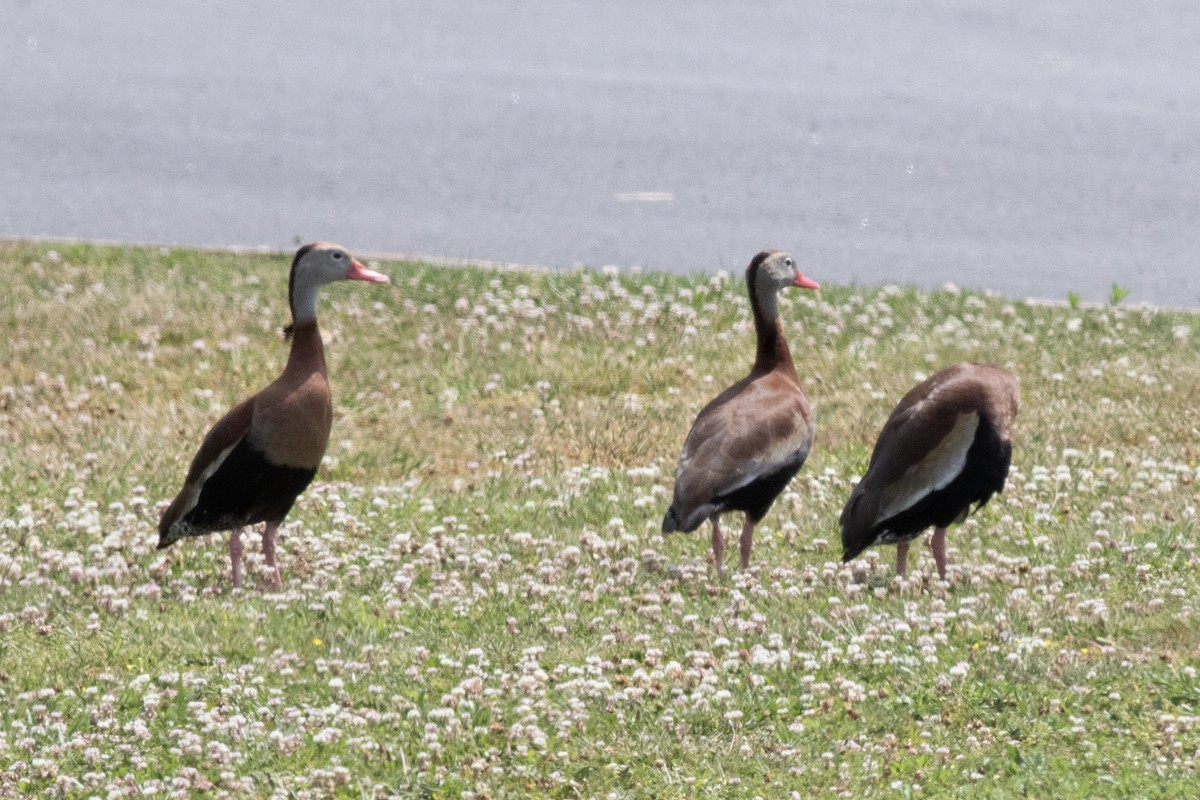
(358, 272)
(805, 283)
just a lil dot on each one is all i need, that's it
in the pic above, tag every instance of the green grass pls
(477, 600)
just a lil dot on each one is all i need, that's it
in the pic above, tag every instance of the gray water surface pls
(1031, 148)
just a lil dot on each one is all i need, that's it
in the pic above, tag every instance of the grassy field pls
(477, 600)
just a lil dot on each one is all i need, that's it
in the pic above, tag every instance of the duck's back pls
(743, 449)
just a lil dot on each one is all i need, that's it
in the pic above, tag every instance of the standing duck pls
(260, 456)
(750, 440)
(946, 446)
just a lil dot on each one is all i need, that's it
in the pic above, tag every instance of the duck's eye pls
(337, 256)
(789, 263)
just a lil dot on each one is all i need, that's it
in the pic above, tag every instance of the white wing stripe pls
(748, 478)
(209, 471)
(936, 470)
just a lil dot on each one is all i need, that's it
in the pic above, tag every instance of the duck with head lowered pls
(751, 439)
(259, 457)
(946, 447)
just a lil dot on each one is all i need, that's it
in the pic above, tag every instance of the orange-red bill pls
(805, 283)
(358, 272)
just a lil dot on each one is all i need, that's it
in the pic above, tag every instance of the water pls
(1028, 149)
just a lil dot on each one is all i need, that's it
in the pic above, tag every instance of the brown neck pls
(308, 352)
(772, 352)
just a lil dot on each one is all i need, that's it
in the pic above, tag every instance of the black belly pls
(983, 474)
(245, 490)
(756, 498)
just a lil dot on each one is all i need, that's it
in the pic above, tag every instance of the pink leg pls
(235, 555)
(938, 545)
(268, 546)
(746, 543)
(902, 557)
(718, 546)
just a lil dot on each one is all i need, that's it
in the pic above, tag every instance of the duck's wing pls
(764, 427)
(220, 441)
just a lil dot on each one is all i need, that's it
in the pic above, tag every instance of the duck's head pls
(314, 266)
(769, 272)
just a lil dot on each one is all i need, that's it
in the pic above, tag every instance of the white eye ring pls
(789, 262)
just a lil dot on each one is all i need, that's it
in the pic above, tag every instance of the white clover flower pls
(327, 735)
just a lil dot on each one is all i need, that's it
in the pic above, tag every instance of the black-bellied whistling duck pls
(946, 446)
(750, 440)
(260, 456)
